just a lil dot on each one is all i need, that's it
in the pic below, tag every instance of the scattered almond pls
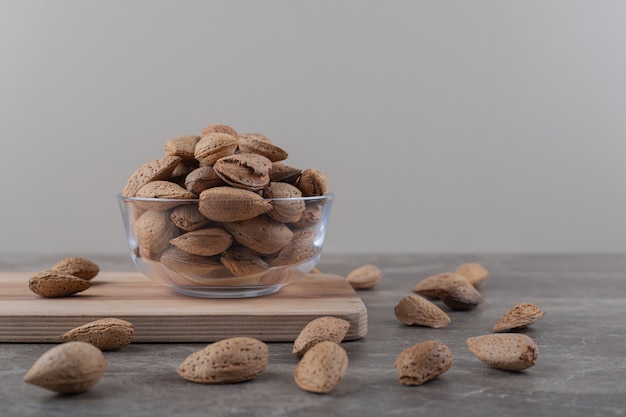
(105, 334)
(77, 266)
(52, 283)
(364, 277)
(511, 351)
(318, 330)
(227, 361)
(429, 286)
(68, 368)
(423, 362)
(474, 272)
(157, 169)
(519, 316)
(321, 368)
(414, 309)
(459, 294)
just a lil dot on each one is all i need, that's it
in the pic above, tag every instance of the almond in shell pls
(244, 170)
(321, 367)
(423, 362)
(416, 310)
(325, 328)
(218, 128)
(68, 368)
(157, 169)
(227, 361)
(105, 334)
(214, 146)
(474, 272)
(459, 294)
(519, 316)
(188, 217)
(287, 203)
(204, 242)
(154, 230)
(77, 266)
(261, 234)
(202, 178)
(429, 286)
(313, 183)
(183, 146)
(252, 144)
(242, 261)
(364, 277)
(52, 283)
(509, 351)
(228, 204)
(162, 190)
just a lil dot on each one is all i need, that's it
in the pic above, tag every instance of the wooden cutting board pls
(161, 315)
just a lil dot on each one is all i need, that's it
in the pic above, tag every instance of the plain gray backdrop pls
(443, 126)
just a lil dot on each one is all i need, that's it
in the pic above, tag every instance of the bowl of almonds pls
(222, 215)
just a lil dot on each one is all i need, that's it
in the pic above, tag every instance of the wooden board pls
(161, 315)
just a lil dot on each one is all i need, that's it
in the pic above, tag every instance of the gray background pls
(456, 126)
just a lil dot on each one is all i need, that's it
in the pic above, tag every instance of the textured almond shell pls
(204, 242)
(318, 330)
(321, 368)
(313, 183)
(228, 204)
(218, 128)
(68, 368)
(242, 261)
(459, 294)
(474, 272)
(519, 316)
(289, 206)
(157, 169)
(182, 146)
(429, 286)
(261, 234)
(77, 266)
(245, 170)
(188, 217)
(300, 248)
(511, 351)
(162, 190)
(252, 144)
(423, 362)
(364, 277)
(201, 179)
(105, 334)
(227, 361)
(414, 309)
(154, 230)
(214, 146)
(52, 283)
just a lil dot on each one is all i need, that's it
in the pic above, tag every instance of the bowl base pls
(225, 292)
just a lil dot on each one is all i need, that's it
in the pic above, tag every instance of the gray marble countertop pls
(580, 371)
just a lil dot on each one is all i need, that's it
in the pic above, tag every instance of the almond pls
(287, 203)
(77, 266)
(182, 146)
(459, 294)
(364, 277)
(105, 334)
(162, 190)
(154, 230)
(313, 183)
(52, 283)
(474, 272)
(228, 204)
(68, 368)
(204, 242)
(519, 316)
(321, 368)
(218, 128)
(414, 309)
(201, 179)
(422, 362)
(281, 172)
(261, 146)
(429, 286)
(188, 217)
(511, 351)
(322, 329)
(157, 169)
(244, 170)
(311, 215)
(242, 261)
(300, 248)
(179, 261)
(261, 234)
(227, 361)
(214, 146)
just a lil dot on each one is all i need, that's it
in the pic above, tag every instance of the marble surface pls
(580, 371)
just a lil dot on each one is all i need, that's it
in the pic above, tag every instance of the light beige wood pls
(161, 315)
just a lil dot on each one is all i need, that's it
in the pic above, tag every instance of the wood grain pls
(161, 315)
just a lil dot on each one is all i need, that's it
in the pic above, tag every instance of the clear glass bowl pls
(264, 255)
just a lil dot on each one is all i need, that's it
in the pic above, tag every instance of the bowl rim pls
(329, 196)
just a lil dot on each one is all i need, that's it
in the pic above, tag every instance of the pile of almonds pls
(66, 277)
(458, 291)
(228, 228)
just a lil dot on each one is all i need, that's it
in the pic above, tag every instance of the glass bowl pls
(174, 244)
